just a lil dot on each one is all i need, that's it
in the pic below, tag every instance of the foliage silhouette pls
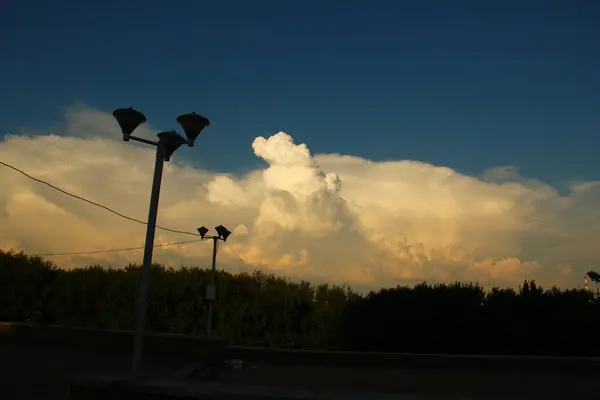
(264, 310)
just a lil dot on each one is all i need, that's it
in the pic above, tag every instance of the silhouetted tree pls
(264, 310)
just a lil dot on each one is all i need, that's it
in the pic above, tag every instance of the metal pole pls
(214, 287)
(147, 262)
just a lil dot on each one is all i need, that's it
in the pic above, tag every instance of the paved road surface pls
(465, 383)
(38, 372)
(34, 371)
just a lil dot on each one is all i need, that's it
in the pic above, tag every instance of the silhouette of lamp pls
(192, 125)
(168, 142)
(172, 142)
(594, 276)
(223, 232)
(128, 119)
(202, 231)
(211, 290)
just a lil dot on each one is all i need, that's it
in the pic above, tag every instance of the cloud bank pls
(324, 217)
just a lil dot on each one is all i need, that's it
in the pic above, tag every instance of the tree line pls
(259, 309)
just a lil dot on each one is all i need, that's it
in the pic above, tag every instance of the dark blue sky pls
(465, 84)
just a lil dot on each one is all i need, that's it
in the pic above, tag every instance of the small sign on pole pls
(211, 292)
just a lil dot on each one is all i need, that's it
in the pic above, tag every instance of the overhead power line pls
(112, 250)
(93, 202)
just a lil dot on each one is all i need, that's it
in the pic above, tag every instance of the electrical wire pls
(107, 209)
(93, 202)
(112, 250)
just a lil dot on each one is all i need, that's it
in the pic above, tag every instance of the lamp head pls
(594, 276)
(222, 232)
(172, 141)
(128, 119)
(192, 125)
(202, 231)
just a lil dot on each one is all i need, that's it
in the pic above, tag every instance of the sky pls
(372, 143)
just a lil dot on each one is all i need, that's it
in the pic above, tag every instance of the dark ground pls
(34, 371)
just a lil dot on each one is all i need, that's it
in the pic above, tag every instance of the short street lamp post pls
(211, 290)
(168, 142)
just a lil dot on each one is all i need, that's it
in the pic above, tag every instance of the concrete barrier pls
(412, 360)
(210, 351)
(215, 351)
(397, 372)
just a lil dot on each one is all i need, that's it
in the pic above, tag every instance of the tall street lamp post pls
(211, 290)
(168, 142)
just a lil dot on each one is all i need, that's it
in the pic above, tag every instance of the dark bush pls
(263, 310)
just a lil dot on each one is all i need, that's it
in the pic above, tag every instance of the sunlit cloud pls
(326, 217)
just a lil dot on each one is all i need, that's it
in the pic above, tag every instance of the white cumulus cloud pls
(326, 217)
